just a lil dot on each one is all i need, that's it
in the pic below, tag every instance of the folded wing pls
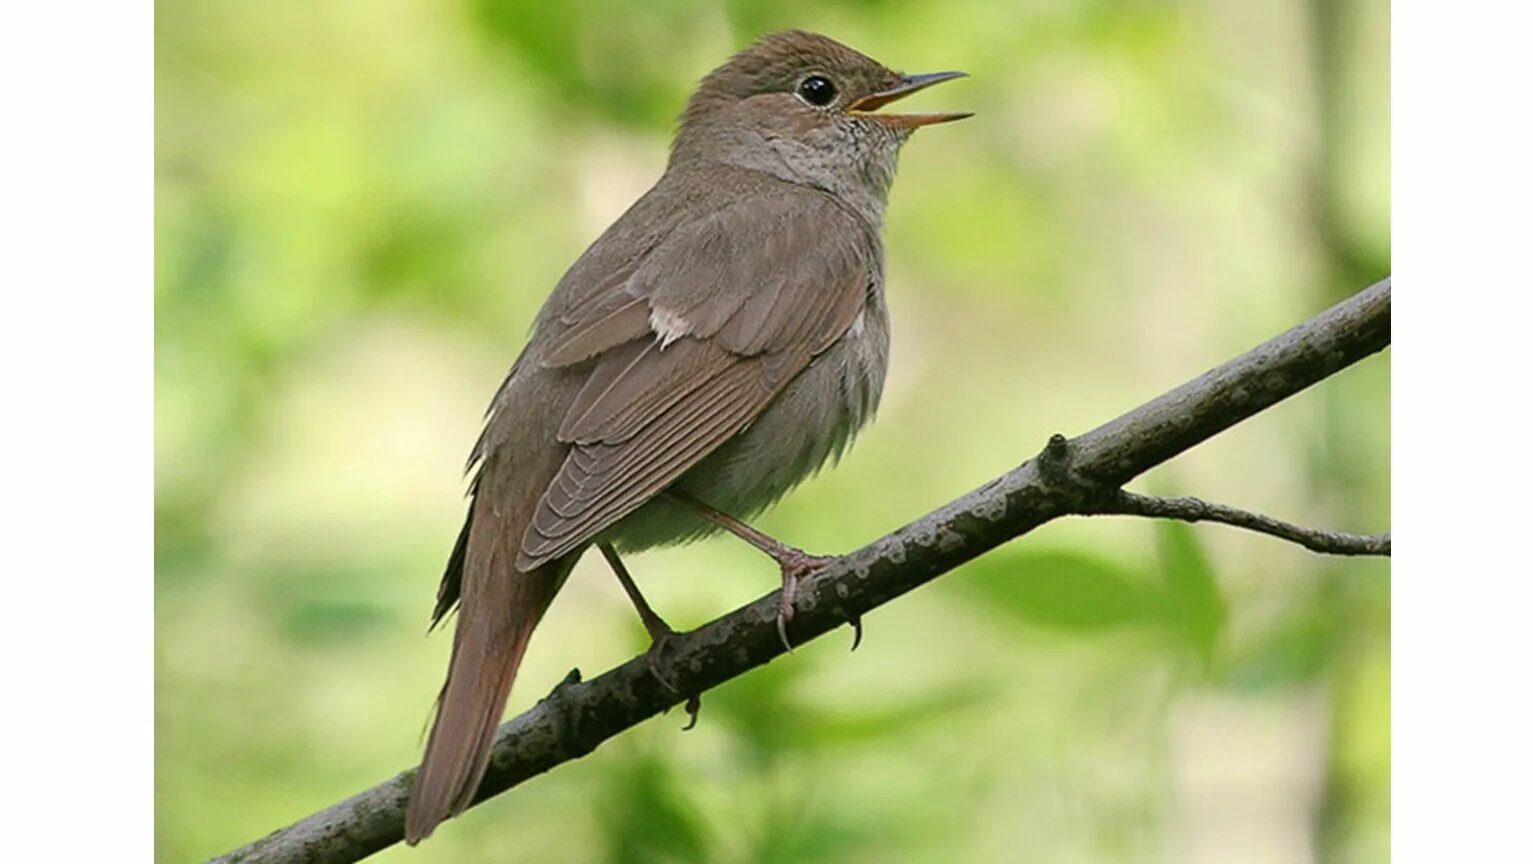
(690, 348)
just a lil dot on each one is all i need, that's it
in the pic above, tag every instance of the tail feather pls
(452, 577)
(498, 610)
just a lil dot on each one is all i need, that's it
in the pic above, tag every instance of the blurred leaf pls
(802, 836)
(413, 251)
(648, 819)
(763, 711)
(1195, 608)
(770, 720)
(1060, 589)
(182, 545)
(1293, 652)
(325, 605)
(620, 72)
(841, 728)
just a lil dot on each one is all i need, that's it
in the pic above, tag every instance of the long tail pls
(497, 612)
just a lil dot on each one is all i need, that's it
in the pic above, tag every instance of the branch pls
(1124, 503)
(1070, 477)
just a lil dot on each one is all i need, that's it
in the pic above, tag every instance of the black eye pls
(817, 90)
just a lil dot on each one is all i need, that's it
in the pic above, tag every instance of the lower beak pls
(865, 106)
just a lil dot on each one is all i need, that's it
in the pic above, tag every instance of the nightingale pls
(716, 345)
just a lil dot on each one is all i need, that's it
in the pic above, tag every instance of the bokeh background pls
(360, 205)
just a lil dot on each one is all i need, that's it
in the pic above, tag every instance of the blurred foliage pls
(1063, 589)
(1074, 591)
(360, 206)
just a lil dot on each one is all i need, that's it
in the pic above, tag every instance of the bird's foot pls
(795, 564)
(660, 635)
(693, 706)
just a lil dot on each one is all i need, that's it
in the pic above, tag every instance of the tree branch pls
(1125, 503)
(1069, 477)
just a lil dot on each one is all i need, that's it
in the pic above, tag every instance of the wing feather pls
(758, 289)
(618, 324)
(652, 382)
(612, 481)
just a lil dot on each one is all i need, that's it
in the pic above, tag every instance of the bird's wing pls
(690, 348)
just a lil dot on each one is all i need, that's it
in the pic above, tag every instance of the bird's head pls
(805, 108)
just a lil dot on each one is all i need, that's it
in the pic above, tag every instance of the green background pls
(359, 208)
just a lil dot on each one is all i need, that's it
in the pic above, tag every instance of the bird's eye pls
(817, 90)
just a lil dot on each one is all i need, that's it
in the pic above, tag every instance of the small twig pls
(1124, 503)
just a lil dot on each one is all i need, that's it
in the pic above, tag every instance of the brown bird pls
(715, 346)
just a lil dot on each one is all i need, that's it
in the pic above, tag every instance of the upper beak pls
(865, 106)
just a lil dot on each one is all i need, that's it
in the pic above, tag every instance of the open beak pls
(909, 84)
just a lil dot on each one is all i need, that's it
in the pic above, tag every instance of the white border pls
(76, 446)
(1462, 605)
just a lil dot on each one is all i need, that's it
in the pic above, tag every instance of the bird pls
(717, 344)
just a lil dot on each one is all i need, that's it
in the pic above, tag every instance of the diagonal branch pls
(1125, 503)
(1069, 477)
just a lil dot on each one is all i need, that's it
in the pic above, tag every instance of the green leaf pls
(801, 835)
(764, 711)
(1060, 589)
(649, 818)
(841, 727)
(575, 53)
(1195, 608)
(1291, 653)
(324, 605)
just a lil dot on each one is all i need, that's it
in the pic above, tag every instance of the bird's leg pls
(795, 563)
(659, 631)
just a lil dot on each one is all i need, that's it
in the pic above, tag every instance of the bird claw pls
(856, 622)
(795, 564)
(785, 611)
(658, 640)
